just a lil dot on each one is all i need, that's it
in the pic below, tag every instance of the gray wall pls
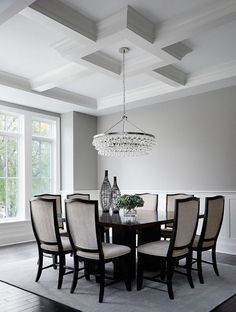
(78, 157)
(85, 156)
(196, 147)
(67, 151)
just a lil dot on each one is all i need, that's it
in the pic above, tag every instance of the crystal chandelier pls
(124, 143)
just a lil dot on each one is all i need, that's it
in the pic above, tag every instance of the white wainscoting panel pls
(21, 231)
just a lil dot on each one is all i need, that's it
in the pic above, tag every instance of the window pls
(42, 155)
(9, 163)
(29, 160)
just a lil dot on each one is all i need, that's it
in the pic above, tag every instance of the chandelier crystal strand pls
(123, 144)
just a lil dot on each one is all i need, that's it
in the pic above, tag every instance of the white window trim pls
(25, 158)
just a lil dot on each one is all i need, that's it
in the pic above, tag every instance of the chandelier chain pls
(123, 72)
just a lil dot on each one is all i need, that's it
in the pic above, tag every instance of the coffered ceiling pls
(63, 55)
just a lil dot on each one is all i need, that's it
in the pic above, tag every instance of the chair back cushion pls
(82, 218)
(150, 201)
(185, 222)
(78, 195)
(213, 217)
(170, 205)
(42, 214)
(58, 205)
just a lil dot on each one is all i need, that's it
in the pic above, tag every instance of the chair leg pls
(107, 236)
(61, 270)
(54, 261)
(40, 266)
(86, 270)
(170, 271)
(140, 272)
(214, 260)
(102, 281)
(75, 274)
(127, 271)
(163, 270)
(199, 266)
(188, 269)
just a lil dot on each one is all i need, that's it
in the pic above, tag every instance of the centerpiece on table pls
(129, 203)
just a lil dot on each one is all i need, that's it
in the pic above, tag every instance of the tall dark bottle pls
(115, 194)
(105, 193)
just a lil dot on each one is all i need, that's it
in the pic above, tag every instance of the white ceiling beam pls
(104, 61)
(178, 50)
(61, 18)
(140, 25)
(19, 83)
(131, 25)
(170, 75)
(9, 8)
(58, 76)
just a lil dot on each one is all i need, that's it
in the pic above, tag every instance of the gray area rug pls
(201, 298)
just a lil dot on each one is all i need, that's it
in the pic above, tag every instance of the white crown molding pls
(10, 8)
(219, 72)
(201, 19)
(154, 90)
(22, 87)
(133, 95)
(58, 76)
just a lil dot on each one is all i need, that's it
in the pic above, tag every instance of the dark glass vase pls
(115, 194)
(105, 193)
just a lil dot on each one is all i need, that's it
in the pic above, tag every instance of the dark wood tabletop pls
(143, 218)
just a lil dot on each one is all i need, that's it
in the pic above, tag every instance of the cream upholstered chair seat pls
(160, 249)
(109, 251)
(65, 245)
(205, 244)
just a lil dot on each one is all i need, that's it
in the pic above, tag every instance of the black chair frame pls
(168, 264)
(199, 249)
(42, 252)
(99, 264)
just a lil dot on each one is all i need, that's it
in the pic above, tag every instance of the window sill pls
(8, 221)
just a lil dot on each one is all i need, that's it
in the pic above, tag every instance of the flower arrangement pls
(130, 201)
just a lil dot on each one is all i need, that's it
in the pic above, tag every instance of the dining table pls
(141, 228)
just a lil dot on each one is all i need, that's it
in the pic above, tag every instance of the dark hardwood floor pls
(13, 299)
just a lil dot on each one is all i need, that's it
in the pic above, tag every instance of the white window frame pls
(19, 136)
(25, 158)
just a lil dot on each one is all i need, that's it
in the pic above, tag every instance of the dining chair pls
(83, 227)
(213, 218)
(166, 232)
(78, 195)
(46, 231)
(169, 252)
(87, 196)
(150, 201)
